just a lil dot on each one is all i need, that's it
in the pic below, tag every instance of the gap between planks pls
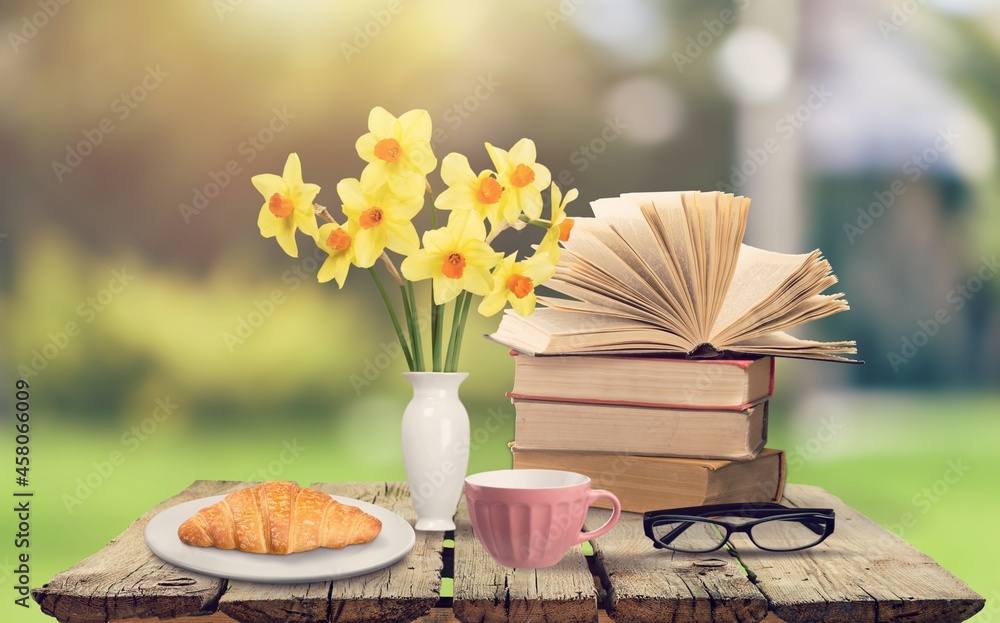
(486, 592)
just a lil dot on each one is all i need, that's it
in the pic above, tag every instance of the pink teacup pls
(529, 518)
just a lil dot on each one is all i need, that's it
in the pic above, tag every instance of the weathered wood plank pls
(215, 617)
(249, 602)
(649, 585)
(486, 592)
(445, 615)
(402, 592)
(125, 580)
(436, 615)
(862, 573)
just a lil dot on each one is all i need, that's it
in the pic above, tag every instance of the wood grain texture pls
(125, 580)
(486, 592)
(645, 584)
(400, 593)
(215, 617)
(862, 573)
(436, 615)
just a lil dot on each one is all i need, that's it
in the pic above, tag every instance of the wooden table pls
(861, 574)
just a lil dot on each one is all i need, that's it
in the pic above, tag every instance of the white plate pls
(392, 544)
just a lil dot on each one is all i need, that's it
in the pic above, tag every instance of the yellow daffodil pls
(384, 220)
(559, 225)
(522, 179)
(338, 242)
(516, 282)
(468, 191)
(288, 205)
(398, 151)
(456, 257)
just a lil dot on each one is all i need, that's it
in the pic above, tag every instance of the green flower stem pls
(452, 339)
(437, 311)
(410, 306)
(393, 317)
(437, 332)
(461, 332)
(416, 327)
(539, 222)
(435, 355)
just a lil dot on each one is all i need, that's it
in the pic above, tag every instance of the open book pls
(668, 273)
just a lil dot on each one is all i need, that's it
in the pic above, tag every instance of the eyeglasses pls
(771, 527)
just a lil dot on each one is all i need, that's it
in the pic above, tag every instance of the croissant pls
(278, 518)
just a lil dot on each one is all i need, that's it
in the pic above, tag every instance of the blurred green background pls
(867, 129)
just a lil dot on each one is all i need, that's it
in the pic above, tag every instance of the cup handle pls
(595, 495)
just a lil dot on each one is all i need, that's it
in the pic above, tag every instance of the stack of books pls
(651, 373)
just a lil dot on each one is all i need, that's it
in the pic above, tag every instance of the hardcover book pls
(674, 382)
(702, 433)
(644, 483)
(668, 273)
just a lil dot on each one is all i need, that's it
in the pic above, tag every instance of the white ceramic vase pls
(435, 447)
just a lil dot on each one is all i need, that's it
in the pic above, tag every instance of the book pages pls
(654, 268)
(596, 304)
(794, 301)
(555, 331)
(667, 272)
(757, 275)
(606, 277)
(615, 207)
(781, 344)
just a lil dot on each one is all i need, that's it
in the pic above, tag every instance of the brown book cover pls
(673, 382)
(590, 427)
(645, 483)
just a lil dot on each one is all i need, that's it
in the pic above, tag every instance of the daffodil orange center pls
(522, 176)
(338, 240)
(454, 265)
(564, 228)
(489, 190)
(388, 149)
(372, 217)
(280, 206)
(520, 285)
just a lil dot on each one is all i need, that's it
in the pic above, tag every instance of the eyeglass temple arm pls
(673, 534)
(819, 527)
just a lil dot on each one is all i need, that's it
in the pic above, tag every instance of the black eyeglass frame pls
(820, 520)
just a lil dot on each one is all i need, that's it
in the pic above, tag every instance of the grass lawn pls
(925, 465)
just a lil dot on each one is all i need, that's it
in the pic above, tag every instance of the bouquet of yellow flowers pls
(378, 211)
